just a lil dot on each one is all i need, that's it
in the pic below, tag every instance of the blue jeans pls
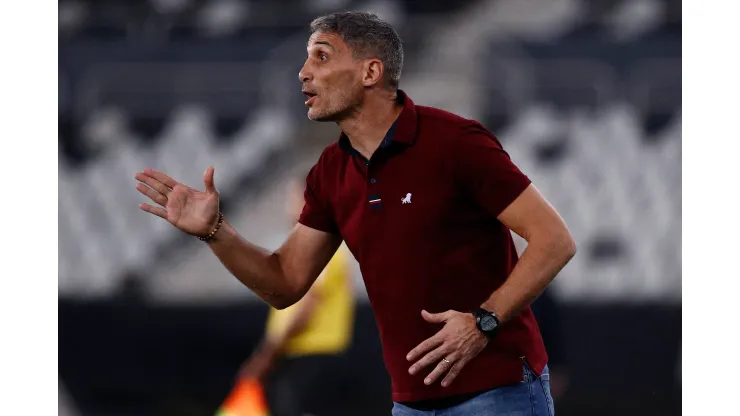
(531, 397)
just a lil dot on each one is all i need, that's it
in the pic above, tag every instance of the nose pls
(304, 75)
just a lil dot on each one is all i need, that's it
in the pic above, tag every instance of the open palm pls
(192, 211)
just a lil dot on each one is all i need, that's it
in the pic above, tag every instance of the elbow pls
(285, 293)
(282, 302)
(561, 248)
(285, 300)
(559, 244)
(570, 247)
(566, 246)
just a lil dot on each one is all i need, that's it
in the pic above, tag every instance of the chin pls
(334, 115)
(314, 115)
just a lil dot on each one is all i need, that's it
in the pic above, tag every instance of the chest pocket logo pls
(407, 199)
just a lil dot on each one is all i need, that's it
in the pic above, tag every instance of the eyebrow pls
(323, 42)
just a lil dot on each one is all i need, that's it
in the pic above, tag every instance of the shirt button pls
(372, 180)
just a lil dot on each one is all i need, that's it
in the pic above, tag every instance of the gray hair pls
(368, 36)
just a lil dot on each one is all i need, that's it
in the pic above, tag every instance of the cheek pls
(347, 80)
(351, 87)
(342, 88)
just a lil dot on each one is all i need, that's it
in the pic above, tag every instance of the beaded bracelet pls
(215, 229)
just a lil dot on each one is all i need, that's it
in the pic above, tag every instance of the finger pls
(161, 177)
(435, 318)
(160, 212)
(154, 184)
(432, 357)
(453, 373)
(152, 194)
(208, 180)
(425, 346)
(440, 369)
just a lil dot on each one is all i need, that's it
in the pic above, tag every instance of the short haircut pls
(368, 36)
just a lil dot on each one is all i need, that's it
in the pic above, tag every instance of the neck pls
(367, 126)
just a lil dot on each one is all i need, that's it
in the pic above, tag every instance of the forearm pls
(257, 268)
(540, 262)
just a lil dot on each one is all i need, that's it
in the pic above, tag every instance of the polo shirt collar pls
(407, 121)
(403, 130)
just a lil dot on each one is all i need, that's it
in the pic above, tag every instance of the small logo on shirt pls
(406, 200)
(375, 202)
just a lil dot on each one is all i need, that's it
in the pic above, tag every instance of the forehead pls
(325, 39)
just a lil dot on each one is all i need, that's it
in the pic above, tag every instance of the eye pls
(323, 57)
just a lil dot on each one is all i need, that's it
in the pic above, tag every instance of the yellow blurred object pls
(329, 329)
(246, 399)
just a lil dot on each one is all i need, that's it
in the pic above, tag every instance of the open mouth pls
(309, 97)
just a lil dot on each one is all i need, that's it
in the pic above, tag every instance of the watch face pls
(487, 323)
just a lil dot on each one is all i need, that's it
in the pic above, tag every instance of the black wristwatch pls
(486, 321)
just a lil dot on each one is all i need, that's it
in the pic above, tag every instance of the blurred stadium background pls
(584, 94)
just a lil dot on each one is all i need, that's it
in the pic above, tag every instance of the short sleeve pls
(316, 212)
(485, 171)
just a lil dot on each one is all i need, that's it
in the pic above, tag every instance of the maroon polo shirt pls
(420, 217)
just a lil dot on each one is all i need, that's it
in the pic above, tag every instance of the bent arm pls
(282, 277)
(550, 247)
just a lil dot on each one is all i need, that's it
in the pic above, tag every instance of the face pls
(333, 81)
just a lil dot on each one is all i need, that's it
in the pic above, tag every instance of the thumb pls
(208, 180)
(435, 318)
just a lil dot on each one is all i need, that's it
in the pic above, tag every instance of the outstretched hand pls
(192, 211)
(450, 348)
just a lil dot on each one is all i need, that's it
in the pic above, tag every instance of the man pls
(306, 341)
(425, 200)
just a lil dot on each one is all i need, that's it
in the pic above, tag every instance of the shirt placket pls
(373, 216)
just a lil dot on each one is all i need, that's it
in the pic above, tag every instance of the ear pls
(373, 71)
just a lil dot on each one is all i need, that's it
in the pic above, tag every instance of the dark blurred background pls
(584, 94)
